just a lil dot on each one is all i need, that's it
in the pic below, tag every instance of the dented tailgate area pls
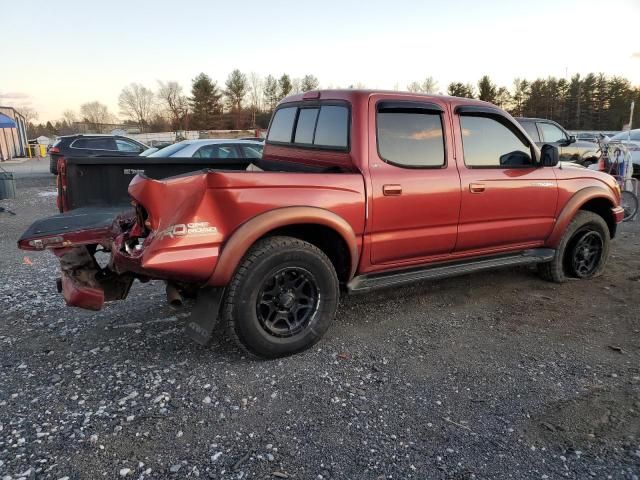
(75, 237)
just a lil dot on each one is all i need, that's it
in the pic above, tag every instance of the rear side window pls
(216, 151)
(126, 146)
(532, 130)
(94, 143)
(488, 143)
(411, 138)
(323, 127)
(282, 125)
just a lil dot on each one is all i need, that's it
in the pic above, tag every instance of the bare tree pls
(30, 115)
(69, 117)
(96, 114)
(137, 102)
(255, 91)
(175, 103)
(309, 82)
(429, 85)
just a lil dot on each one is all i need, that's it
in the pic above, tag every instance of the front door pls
(415, 182)
(506, 200)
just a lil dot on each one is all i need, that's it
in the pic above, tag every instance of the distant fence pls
(149, 138)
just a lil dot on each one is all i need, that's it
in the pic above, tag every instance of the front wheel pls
(629, 203)
(582, 252)
(282, 298)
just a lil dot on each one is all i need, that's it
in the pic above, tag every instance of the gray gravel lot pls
(494, 375)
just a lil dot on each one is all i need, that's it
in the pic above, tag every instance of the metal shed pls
(13, 139)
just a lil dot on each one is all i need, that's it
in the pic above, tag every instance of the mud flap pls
(205, 314)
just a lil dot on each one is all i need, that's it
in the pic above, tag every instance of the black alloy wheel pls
(586, 253)
(287, 301)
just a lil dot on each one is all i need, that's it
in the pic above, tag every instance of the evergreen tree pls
(458, 89)
(205, 102)
(285, 86)
(487, 90)
(309, 82)
(271, 95)
(236, 90)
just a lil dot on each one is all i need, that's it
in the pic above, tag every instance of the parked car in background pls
(586, 136)
(212, 148)
(632, 142)
(93, 145)
(544, 131)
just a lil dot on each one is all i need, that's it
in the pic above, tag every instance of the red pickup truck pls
(356, 190)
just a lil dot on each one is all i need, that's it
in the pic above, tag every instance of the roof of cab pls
(352, 95)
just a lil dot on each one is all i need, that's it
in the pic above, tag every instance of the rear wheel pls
(583, 250)
(282, 298)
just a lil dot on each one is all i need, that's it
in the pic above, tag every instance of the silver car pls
(212, 148)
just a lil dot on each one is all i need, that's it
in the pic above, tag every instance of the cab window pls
(489, 143)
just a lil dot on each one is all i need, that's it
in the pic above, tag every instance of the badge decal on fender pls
(184, 229)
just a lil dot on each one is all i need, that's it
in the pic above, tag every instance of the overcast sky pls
(64, 53)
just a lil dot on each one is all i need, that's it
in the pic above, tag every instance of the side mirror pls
(549, 155)
(572, 139)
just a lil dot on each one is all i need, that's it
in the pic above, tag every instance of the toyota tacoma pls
(356, 190)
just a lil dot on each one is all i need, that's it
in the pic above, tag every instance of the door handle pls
(476, 187)
(391, 190)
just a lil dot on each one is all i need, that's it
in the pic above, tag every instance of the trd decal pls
(184, 229)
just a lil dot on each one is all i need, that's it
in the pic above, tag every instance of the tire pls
(53, 165)
(589, 161)
(586, 227)
(281, 299)
(630, 204)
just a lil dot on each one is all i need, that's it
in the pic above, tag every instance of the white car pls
(211, 148)
(632, 142)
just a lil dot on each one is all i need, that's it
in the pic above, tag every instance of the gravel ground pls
(494, 375)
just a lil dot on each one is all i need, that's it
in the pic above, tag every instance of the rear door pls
(506, 200)
(415, 183)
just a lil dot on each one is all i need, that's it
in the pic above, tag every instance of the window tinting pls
(306, 125)
(253, 151)
(488, 143)
(125, 146)
(551, 133)
(282, 125)
(333, 128)
(216, 151)
(411, 139)
(326, 126)
(532, 130)
(94, 143)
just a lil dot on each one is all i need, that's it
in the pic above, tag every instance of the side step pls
(442, 270)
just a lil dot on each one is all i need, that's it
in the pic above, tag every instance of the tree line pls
(590, 102)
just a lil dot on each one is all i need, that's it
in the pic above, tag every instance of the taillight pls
(54, 150)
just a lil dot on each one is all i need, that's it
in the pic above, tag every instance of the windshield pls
(635, 135)
(170, 150)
